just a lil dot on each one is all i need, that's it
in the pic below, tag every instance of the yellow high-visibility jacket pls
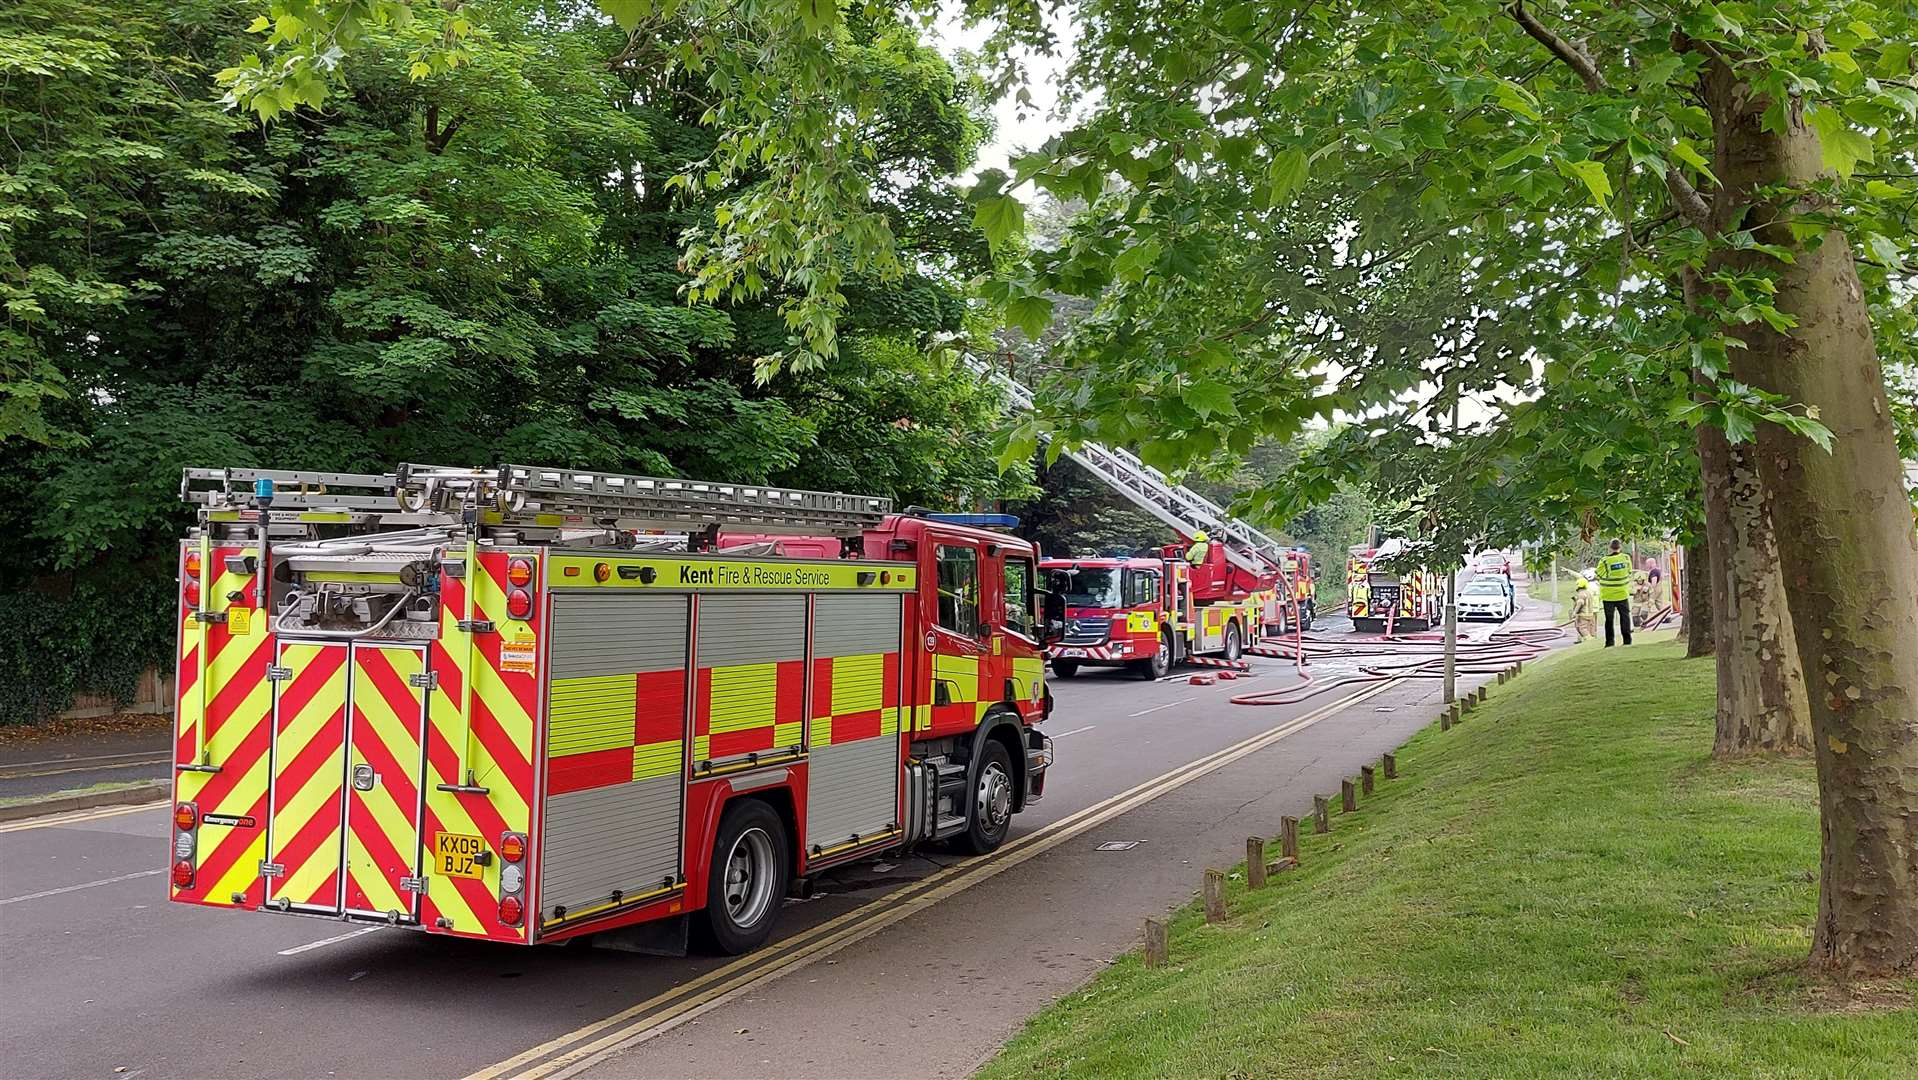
(1615, 577)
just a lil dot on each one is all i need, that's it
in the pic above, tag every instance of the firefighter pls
(1201, 543)
(1582, 622)
(1615, 591)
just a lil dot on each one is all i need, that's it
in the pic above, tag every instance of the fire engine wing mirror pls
(1055, 610)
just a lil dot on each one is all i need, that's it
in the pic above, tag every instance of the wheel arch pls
(1001, 725)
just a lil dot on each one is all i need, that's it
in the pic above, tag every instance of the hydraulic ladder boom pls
(1152, 491)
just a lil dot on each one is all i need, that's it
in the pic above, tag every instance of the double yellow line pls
(576, 1050)
(56, 820)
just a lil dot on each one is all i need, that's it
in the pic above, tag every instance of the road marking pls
(77, 888)
(142, 754)
(1156, 708)
(669, 1009)
(57, 820)
(324, 942)
(1075, 731)
(160, 760)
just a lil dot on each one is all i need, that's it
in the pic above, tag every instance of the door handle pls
(364, 777)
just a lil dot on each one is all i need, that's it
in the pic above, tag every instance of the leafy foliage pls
(477, 265)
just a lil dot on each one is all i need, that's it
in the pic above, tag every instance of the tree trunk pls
(1761, 688)
(1844, 528)
(1697, 585)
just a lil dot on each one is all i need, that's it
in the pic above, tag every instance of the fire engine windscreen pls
(1090, 587)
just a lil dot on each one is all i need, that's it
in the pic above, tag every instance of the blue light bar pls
(979, 521)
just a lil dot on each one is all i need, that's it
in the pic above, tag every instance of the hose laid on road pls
(1500, 650)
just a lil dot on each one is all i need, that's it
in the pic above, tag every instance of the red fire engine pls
(486, 704)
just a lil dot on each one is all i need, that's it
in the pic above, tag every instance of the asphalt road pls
(919, 966)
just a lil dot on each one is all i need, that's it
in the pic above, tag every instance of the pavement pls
(44, 767)
(915, 966)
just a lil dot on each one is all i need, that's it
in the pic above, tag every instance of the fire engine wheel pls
(1234, 647)
(990, 816)
(1065, 669)
(1160, 662)
(747, 878)
(1305, 618)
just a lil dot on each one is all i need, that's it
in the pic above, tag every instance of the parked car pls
(1487, 596)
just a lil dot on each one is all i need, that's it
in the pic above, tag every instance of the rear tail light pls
(193, 564)
(519, 604)
(511, 911)
(183, 874)
(192, 593)
(185, 816)
(512, 846)
(519, 571)
(512, 878)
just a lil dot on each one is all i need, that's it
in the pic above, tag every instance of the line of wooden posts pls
(1258, 870)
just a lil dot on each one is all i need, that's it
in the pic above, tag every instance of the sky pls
(1016, 128)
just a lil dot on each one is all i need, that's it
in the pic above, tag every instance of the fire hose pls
(1500, 650)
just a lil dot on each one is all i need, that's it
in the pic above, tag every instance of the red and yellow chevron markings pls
(498, 739)
(230, 710)
(309, 775)
(382, 842)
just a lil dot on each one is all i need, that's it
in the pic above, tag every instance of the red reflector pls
(512, 847)
(182, 874)
(519, 571)
(193, 564)
(519, 604)
(192, 593)
(185, 816)
(510, 911)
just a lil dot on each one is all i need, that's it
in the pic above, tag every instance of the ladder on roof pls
(526, 496)
(1152, 491)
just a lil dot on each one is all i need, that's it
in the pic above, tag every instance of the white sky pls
(1016, 128)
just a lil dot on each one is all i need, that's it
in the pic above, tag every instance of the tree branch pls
(1686, 197)
(1572, 55)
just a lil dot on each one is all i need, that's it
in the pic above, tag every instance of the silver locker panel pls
(750, 629)
(617, 633)
(851, 788)
(850, 625)
(623, 837)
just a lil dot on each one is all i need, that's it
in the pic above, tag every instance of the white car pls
(1485, 597)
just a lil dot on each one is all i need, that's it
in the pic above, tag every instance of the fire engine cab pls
(1150, 613)
(1380, 600)
(527, 704)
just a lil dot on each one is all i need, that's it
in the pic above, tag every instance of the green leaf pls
(627, 14)
(1516, 99)
(1883, 250)
(1593, 175)
(1844, 146)
(1001, 218)
(1596, 456)
(1031, 313)
(1208, 398)
(1287, 175)
(1133, 263)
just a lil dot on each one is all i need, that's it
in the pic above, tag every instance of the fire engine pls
(1145, 613)
(524, 704)
(1378, 599)
(1248, 585)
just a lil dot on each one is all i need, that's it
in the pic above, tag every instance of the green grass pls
(1540, 588)
(1566, 885)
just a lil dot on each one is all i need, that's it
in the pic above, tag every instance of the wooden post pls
(1155, 943)
(1254, 862)
(1391, 767)
(1289, 837)
(1365, 779)
(1214, 896)
(1479, 695)
(1321, 814)
(1348, 796)
(1445, 721)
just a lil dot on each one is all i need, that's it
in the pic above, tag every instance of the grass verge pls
(1566, 885)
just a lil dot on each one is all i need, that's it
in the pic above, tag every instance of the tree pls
(1498, 192)
(480, 265)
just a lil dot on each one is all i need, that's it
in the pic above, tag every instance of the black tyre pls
(1158, 664)
(989, 817)
(1065, 669)
(1234, 645)
(1305, 618)
(747, 880)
